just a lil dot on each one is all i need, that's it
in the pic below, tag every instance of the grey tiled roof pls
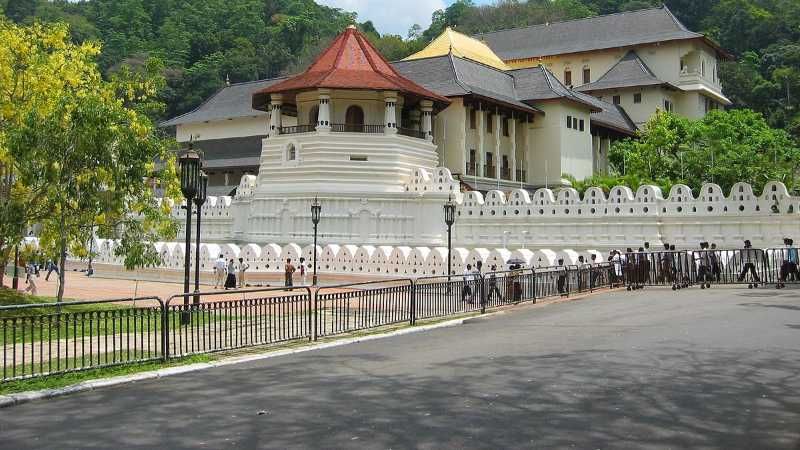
(231, 152)
(627, 72)
(229, 102)
(609, 115)
(450, 75)
(538, 83)
(595, 33)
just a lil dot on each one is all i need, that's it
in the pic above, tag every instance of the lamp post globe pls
(316, 211)
(199, 200)
(190, 163)
(449, 220)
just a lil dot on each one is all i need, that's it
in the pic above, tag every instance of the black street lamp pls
(190, 163)
(316, 210)
(15, 280)
(199, 200)
(449, 219)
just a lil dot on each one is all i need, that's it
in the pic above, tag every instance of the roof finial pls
(351, 27)
(227, 79)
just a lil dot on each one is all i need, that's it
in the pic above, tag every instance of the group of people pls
(472, 276)
(228, 274)
(33, 271)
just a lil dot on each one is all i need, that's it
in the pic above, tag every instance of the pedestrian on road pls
(562, 278)
(713, 256)
(289, 273)
(749, 258)
(466, 291)
(493, 289)
(243, 268)
(790, 261)
(230, 281)
(219, 272)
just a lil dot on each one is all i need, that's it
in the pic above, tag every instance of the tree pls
(83, 151)
(19, 10)
(724, 147)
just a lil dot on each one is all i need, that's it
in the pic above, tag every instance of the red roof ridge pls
(357, 64)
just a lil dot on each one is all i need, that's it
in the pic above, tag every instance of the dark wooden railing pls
(522, 175)
(356, 128)
(298, 129)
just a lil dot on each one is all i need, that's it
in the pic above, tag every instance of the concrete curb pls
(25, 397)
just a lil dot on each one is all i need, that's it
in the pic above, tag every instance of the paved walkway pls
(649, 369)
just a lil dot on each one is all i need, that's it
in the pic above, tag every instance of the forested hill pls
(201, 42)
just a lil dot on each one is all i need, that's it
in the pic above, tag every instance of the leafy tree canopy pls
(723, 148)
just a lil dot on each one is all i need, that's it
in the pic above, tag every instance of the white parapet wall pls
(517, 219)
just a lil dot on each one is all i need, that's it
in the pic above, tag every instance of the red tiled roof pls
(351, 62)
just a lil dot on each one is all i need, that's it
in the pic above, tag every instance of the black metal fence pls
(45, 339)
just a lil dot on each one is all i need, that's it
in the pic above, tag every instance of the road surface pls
(651, 369)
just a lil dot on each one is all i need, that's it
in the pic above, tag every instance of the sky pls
(393, 16)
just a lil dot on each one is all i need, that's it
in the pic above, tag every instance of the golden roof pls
(462, 46)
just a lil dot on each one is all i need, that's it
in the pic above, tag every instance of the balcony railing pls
(522, 175)
(489, 172)
(410, 132)
(471, 167)
(298, 129)
(356, 128)
(505, 173)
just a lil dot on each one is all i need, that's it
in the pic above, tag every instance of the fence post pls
(311, 318)
(483, 293)
(413, 305)
(164, 329)
(314, 316)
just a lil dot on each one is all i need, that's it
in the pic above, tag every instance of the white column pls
(275, 119)
(512, 134)
(390, 122)
(465, 147)
(596, 154)
(427, 119)
(527, 154)
(498, 131)
(481, 163)
(324, 114)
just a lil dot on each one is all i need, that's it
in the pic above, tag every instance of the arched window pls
(291, 153)
(313, 116)
(354, 118)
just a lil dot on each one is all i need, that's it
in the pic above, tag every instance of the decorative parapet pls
(623, 202)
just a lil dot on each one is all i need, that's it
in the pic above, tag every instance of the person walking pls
(51, 267)
(790, 262)
(289, 273)
(303, 271)
(466, 290)
(243, 268)
(716, 267)
(493, 289)
(31, 280)
(230, 281)
(219, 272)
(562, 278)
(749, 258)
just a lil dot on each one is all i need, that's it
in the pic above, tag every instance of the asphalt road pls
(647, 370)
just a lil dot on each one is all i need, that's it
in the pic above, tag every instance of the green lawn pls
(76, 321)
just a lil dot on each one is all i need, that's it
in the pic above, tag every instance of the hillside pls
(204, 42)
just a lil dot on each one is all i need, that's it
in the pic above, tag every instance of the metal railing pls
(489, 171)
(44, 339)
(471, 168)
(298, 129)
(505, 173)
(356, 128)
(50, 338)
(522, 175)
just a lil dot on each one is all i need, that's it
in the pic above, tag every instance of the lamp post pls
(199, 200)
(190, 163)
(15, 280)
(449, 219)
(316, 210)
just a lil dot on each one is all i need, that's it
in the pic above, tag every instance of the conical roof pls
(460, 45)
(350, 62)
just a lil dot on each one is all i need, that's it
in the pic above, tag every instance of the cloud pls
(394, 17)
